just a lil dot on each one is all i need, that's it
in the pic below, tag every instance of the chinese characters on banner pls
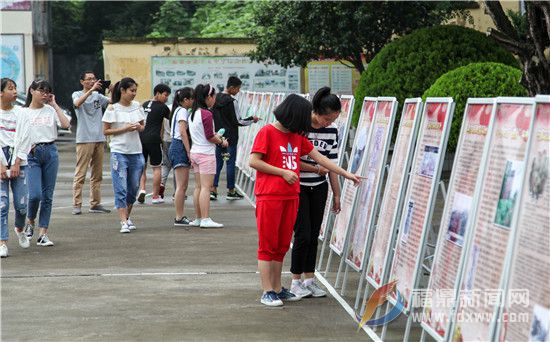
(393, 192)
(458, 209)
(530, 270)
(423, 182)
(369, 189)
(500, 191)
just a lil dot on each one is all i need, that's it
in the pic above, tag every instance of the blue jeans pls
(230, 165)
(19, 189)
(41, 176)
(126, 172)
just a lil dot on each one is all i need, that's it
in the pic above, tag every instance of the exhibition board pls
(361, 224)
(459, 207)
(396, 184)
(421, 193)
(488, 243)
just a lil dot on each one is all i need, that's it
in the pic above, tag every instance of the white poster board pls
(362, 222)
(394, 192)
(421, 193)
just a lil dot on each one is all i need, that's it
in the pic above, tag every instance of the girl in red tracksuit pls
(276, 157)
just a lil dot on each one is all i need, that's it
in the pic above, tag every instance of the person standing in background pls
(156, 111)
(90, 141)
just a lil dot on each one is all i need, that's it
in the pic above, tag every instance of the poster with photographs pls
(497, 207)
(362, 223)
(457, 212)
(342, 123)
(417, 211)
(349, 190)
(392, 200)
(188, 71)
(364, 124)
(530, 265)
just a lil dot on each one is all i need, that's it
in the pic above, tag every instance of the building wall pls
(133, 58)
(481, 19)
(20, 22)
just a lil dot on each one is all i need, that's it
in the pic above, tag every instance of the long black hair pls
(37, 85)
(124, 83)
(294, 113)
(202, 91)
(179, 96)
(325, 103)
(6, 81)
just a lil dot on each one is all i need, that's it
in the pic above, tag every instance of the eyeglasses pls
(90, 79)
(43, 91)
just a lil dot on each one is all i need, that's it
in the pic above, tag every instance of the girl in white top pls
(123, 121)
(13, 162)
(203, 153)
(42, 115)
(180, 148)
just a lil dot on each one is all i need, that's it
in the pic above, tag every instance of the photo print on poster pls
(429, 161)
(539, 174)
(459, 218)
(408, 222)
(540, 324)
(509, 192)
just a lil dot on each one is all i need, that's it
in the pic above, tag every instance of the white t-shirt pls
(201, 128)
(119, 116)
(181, 114)
(14, 133)
(43, 124)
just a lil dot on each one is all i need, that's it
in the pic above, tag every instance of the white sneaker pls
(208, 223)
(195, 223)
(300, 290)
(124, 228)
(157, 200)
(44, 241)
(3, 251)
(131, 224)
(23, 239)
(316, 291)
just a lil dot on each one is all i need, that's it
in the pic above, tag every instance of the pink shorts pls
(204, 164)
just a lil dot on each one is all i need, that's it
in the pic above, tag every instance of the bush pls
(475, 80)
(407, 66)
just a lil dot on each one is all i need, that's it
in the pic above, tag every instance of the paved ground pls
(159, 283)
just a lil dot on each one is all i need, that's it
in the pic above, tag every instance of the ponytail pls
(202, 91)
(179, 96)
(124, 83)
(325, 103)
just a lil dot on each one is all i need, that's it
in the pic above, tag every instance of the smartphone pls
(105, 84)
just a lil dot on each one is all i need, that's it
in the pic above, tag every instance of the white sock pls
(308, 281)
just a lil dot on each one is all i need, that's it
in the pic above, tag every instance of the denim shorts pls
(177, 154)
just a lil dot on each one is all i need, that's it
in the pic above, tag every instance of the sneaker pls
(44, 241)
(208, 223)
(213, 195)
(29, 230)
(195, 223)
(233, 195)
(270, 298)
(77, 211)
(23, 239)
(161, 191)
(131, 224)
(124, 229)
(99, 209)
(157, 200)
(288, 296)
(300, 290)
(184, 221)
(141, 197)
(316, 291)
(3, 251)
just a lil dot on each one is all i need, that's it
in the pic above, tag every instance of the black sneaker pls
(184, 221)
(141, 196)
(233, 195)
(213, 195)
(29, 230)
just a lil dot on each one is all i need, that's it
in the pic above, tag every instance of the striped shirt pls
(325, 140)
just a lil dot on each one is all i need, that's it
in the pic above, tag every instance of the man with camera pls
(90, 141)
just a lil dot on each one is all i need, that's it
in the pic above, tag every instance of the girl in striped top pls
(313, 193)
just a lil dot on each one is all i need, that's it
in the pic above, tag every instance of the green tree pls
(223, 19)
(296, 32)
(172, 20)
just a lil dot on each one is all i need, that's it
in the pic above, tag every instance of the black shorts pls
(152, 151)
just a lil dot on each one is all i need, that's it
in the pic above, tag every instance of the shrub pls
(407, 66)
(475, 80)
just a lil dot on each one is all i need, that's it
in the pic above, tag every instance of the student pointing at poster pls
(275, 155)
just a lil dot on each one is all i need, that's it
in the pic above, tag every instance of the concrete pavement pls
(159, 283)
